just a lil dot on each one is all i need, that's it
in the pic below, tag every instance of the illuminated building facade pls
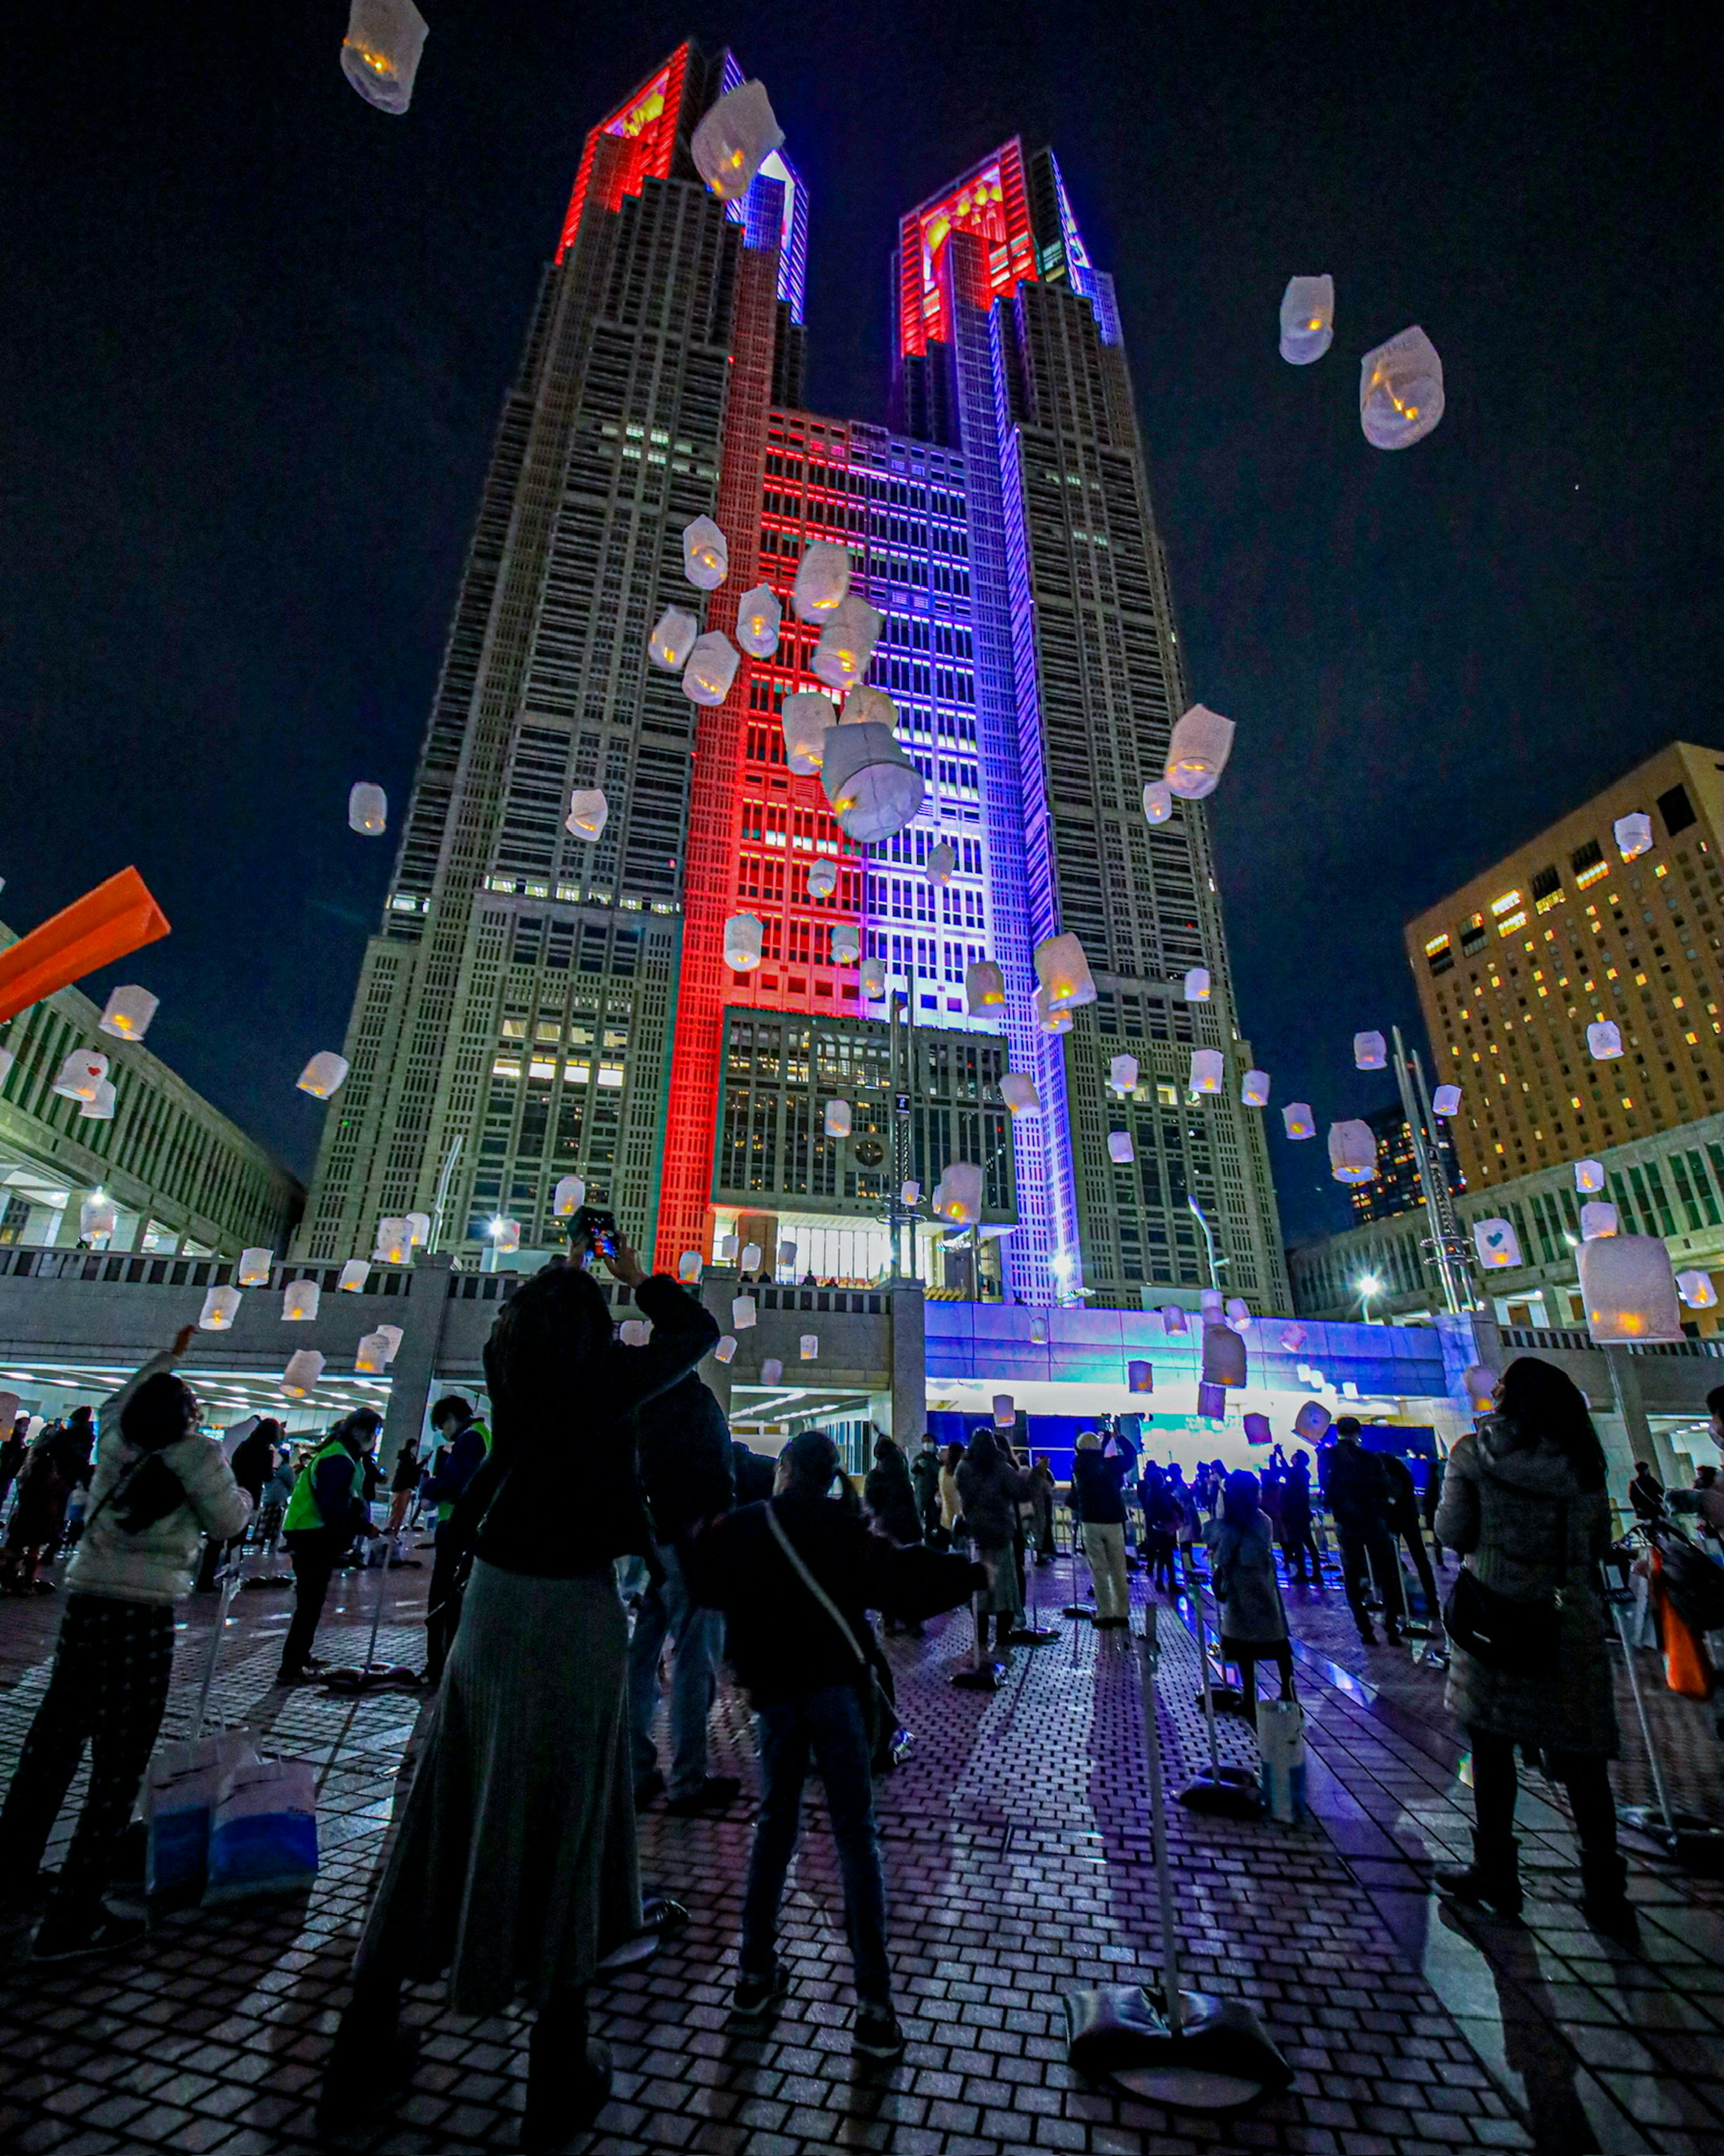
(1395, 1188)
(536, 1004)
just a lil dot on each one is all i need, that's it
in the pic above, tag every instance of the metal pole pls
(1151, 1656)
(442, 1197)
(1628, 1654)
(1433, 1180)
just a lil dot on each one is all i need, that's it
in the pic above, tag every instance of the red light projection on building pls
(647, 122)
(990, 201)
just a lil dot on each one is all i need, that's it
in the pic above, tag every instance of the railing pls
(122, 1269)
(1577, 1341)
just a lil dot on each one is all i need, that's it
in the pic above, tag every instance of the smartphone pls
(599, 1227)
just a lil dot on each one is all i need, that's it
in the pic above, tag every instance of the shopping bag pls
(1686, 1670)
(179, 1793)
(1281, 1740)
(264, 1835)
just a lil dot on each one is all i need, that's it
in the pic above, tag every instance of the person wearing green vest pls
(466, 1443)
(326, 1511)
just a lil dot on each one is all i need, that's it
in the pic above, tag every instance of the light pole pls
(1368, 1284)
(1215, 1263)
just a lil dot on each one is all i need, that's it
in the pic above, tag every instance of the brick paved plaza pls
(1017, 1847)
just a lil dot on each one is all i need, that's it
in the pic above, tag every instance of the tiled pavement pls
(1017, 1851)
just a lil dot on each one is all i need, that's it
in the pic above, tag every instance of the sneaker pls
(877, 2035)
(756, 1996)
(64, 1938)
(648, 1789)
(717, 1793)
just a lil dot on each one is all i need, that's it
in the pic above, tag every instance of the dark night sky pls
(256, 334)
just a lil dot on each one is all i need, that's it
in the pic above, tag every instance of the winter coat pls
(1096, 1481)
(1355, 1486)
(685, 1463)
(1502, 1509)
(891, 1504)
(990, 1496)
(924, 1475)
(156, 1564)
(1242, 1567)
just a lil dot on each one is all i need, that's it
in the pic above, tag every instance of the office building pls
(1396, 1188)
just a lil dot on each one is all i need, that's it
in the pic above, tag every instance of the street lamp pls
(1368, 1285)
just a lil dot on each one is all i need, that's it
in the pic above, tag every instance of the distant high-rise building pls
(1396, 1188)
(536, 1004)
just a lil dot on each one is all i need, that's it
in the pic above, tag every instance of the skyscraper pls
(536, 1004)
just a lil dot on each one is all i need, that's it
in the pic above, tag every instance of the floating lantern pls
(100, 1110)
(254, 1268)
(759, 619)
(372, 1357)
(688, 1268)
(1254, 1089)
(1122, 1073)
(1695, 1289)
(1209, 1301)
(1629, 1290)
(298, 1301)
(846, 942)
(1498, 1245)
(1445, 1101)
(846, 647)
(418, 1228)
(822, 581)
(772, 1371)
(128, 1012)
(1597, 1217)
(734, 138)
(942, 862)
(1196, 985)
(1257, 1429)
(1478, 1382)
(1005, 1411)
(83, 1071)
(865, 702)
(958, 1196)
(1633, 834)
(1207, 1071)
(635, 1331)
(1400, 390)
(1293, 1339)
(1212, 1403)
(1307, 319)
(712, 668)
(1157, 801)
(1312, 1419)
(705, 554)
(389, 1338)
(873, 788)
(1120, 1151)
(751, 1255)
(742, 942)
(1352, 1152)
(822, 878)
(1049, 1019)
(874, 978)
(672, 639)
(97, 1219)
(1140, 1377)
(380, 54)
(909, 1193)
(323, 1075)
(727, 1250)
(367, 810)
(743, 1312)
(984, 987)
(1174, 1318)
(724, 1348)
(394, 1244)
(1198, 753)
(838, 1119)
(1223, 1356)
(569, 1196)
(1020, 1094)
(355, 1273)
(1239, 1313)
(1298, 1121)
(1603, 1039)
(807, 718)
(1370, 1052)
(809, 1347)
(304, 1367)
(1589, 1175)
(787, 1253)
(588, 812)
(1039, 1328)
(1064, 973)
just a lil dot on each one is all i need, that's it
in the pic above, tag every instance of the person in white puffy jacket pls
(160, 1486)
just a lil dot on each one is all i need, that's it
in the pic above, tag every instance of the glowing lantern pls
(909, 1193)
(635, 1331)
(1223, 1356)
(712, 668)
(758, 618)
(569, 1196)
(743, 1312)
(724, 1348)
(751, 1255)
(367, 809)
(1603, 1039)
(1445, 1101)
(1498, 1245)
(298, 1301)
(742, 942)
(394, 1244)
(1293, 1339)
(380, 54)
(372, 1356)
(128, 1012)
(846, 943)
(1352, 1152)
(772, 1371)
(958, 1196)
(1049, 1019)
(1695, 1289)
(1633, 834)
(1307, 319)
(822, 878)
(588, 812)
(1598, 1218)
(323, 1075)
(1039, 1328)
(873, 788)
(1209, 1301)
(1478, 1382)
(942, 861)
(254, 1268)
(1312, 1419)
(846, 647)
(100, 1110)
(734, 138)
(1400, 390)
(1254, 1089)
(1629, 1290)
(1172, 1319)
(705, 554)
(505, 1235)
(1120, 1151)
(304, 1367)
(1589, 1175)
(1157, 801)
(355, 1273)
(1207, 1071)
(83, 1071)
(672, 639)
(809, 1347)
(727, 1250)
(418, 1228)
(822, 581)
(1298, 1121)
(1064, 973)
(688, 1268)
(1005, 1411)
(388, 1338)
(97, 1219)
(1140, 1377)
(1370, 1052)
(1122, 1073)
(866, 702)
(1198, 753)
(1257, 1429)
(1020, 1094)
(874, 978)
(984, 987)
(807, 718)
(1239, 1313)
(1212, 1403)
(787, 1253)
(838, 1119)
(1196, 985)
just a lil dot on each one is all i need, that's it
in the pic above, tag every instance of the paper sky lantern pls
(1020, 1094)
(712, 668)
(1174, 1318)
(1207, 1071)
(1223, 1356)
(724, 1348)
(743, 1312)
(1695, 1289)
(809, 1347)
(97, 1219)
(1049, 1019)
(705, 554)
(1239, 1313)
(1196, 985)
(507, 1236)
(822, 878)
(1039, 1328)
(1312, 1419)
(588, 812)
(367, 809)
(787, 1253)
(846, 647)
(298, 1301)
(1400, 390)
(1120, 1151)
(1198, 753)
(394, 1244)
(1629, 1290)
(380, 54)
(1254, 1089)
(772, 1371)
(1498, 1245)
(568, 1197)
(727, 1249)
(1352, 1152)
(81, 1073)
(1589, 1175)
(1212, 1403)
(942, 862)
(418, 1228)
(304, 1367)
(1209, 1301)
(370, 1359)
(873, 788)
(1064, 973)
(822, 581)
(838, 1119)
(254, 1268)
(1597, 1217)
(635, 1331)
(1293, 1339)
(910, 1191)
(672, 639)
(1157, 801)
(355, 1273)
(734, 138)
(1140, 1377)
(1122, 1073)
(984, 987)
(1257, 1429)
(1478, 1383)
(127, 1013)
(1445, 1101)
(806, 718)
(1307, 319)
(865, 702)
(1298, 1121)
(323, 1075)
(751, 1255)
(105, 925)
(100, 1109)
(1603, 1039)
(846, 942)
(1370, 1052)
(1005, 1411)
(759, 617)
(958, 1196)
(742, 942)
(1633, 834)
(874, 978)
(688, 1267)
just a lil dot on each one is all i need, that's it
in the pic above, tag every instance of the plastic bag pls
(264, 1835)
(181, 1792)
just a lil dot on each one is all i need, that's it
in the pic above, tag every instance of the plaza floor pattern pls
(1018, 1857)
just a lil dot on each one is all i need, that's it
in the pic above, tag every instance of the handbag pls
(879, 1710)
(1515, 1639)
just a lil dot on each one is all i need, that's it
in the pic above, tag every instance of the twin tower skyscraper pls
(536, 1004)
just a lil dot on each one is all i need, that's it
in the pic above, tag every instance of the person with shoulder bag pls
(1524, 1504)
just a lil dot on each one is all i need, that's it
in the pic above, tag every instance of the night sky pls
(256, 334)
